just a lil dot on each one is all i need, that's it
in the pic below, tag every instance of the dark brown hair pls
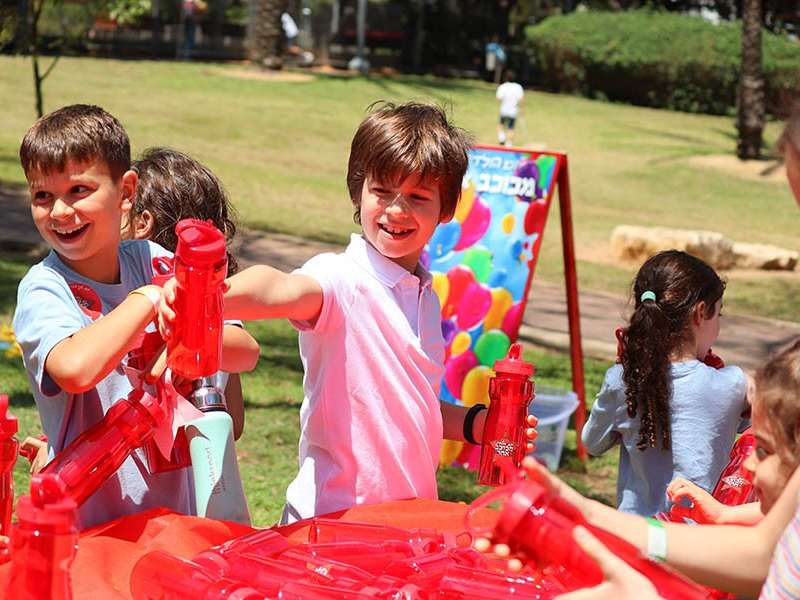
(395, 142)
(80, 133)
(658, 327)
(174, 186)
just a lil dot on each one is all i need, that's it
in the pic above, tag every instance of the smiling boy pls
(370, 337)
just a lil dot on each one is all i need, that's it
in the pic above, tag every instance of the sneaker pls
(501, 137)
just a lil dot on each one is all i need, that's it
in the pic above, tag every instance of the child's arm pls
(707, 509)
(235, 403)
(258, 292)
(454, 415)
(734, 558)
(239, 350)
(80, 361)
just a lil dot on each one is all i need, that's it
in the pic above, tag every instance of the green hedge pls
(657, 59)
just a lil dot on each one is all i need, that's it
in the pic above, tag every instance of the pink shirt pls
(371, 423)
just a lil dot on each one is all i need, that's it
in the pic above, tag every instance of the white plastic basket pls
(553, 407)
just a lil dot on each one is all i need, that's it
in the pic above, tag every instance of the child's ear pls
(700, 312)
(128, 188)
(143, 226)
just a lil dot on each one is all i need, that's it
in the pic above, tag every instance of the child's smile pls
(399, 218)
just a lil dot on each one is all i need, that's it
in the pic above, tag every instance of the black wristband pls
(469, 421)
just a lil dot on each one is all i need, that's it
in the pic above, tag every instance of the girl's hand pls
(622, 581)
(535, 471)
(36, 449)
(705, 508)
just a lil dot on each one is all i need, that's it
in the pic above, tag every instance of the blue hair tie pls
(648, 295)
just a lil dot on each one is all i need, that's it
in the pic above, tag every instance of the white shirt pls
(509, 94)
(371, 423)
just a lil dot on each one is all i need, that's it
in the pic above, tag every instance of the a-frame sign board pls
(483, 262)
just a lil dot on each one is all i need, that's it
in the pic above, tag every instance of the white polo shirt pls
(371, 423)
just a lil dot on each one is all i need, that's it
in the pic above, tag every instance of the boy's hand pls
(166, 310)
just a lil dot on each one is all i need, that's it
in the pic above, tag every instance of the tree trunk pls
(750, 105)
(266, 33)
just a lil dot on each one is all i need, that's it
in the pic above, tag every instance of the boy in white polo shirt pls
(371, 340)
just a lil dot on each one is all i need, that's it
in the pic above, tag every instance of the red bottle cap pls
(8, 422)
(199, 242)
(513, 363)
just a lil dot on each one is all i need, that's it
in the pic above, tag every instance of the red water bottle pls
(159, 574)
(201, 265)
(460, 582)
(9, 448)
(735, 485)
(43, 543)
(539, 525)
(510, 392)
(96, 454)
(422, 539)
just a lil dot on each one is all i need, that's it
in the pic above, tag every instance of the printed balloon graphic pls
(501, 302)
(473, 306)
(461, 343)
(460, 278)
(491, 346)
(479, 259)
(465, 202)
(512, 320)
(475, 389)
(444, 239)
(450, 451)
(441, 285)
(535, 217)
(475, 225)
(456, 369)
(529, 170)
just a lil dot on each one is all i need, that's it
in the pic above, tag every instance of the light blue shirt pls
(705, 414)
(54, 302)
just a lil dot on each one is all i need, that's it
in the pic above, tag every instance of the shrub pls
(656, 59)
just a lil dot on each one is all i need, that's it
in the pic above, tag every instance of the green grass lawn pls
(280, 146)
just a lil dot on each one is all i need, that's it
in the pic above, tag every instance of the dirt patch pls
(757, 170)
(281, 75)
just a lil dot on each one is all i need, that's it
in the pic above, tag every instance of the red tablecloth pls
(107, 553)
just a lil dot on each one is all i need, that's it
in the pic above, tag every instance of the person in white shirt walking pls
(511, 96)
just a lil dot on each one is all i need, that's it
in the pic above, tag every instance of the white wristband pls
(151, 293)
(656, 540)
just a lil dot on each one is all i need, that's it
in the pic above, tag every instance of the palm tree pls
(750, 105)
(266, 33)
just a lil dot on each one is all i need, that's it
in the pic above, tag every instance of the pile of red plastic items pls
(341, 560)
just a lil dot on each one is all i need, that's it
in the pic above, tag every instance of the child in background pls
(671, 414)
(84, 307)
(173, 186)
(370, 324)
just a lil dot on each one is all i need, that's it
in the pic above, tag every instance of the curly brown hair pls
(657, 327)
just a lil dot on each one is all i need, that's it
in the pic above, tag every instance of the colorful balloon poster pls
(482, 263)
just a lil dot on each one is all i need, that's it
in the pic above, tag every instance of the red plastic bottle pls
(538, 524)
(510, 391)
(98, 452)
(43, 543)
(421, 539)
(201, 265)
(159, 574)
(466, 583)
(735, 485)
(9, 449)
